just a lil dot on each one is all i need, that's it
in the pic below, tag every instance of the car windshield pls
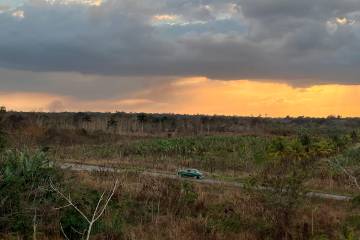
(192, 170)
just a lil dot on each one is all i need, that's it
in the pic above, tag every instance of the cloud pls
(18, 14)
(201, 95)
(3, 8)
(95, 49)
(72, 2)
(77, 85)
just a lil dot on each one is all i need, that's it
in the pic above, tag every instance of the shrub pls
(83, 222)
(23, 190)
(189, 195)
(281, 193)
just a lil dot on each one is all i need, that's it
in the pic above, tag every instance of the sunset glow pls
(204, 96)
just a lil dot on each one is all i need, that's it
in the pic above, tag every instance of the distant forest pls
(171, 125)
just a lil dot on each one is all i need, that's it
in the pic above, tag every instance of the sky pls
(240, 57)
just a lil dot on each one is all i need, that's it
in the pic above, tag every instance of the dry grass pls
(208, 216)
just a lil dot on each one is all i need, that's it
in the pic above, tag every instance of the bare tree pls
(98, 212)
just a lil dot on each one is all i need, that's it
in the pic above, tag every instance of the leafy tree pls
(354, 136)
(340, 141)
(305, 141)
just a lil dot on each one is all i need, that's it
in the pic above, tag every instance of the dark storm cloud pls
(76, 85)
(107, 40)
(121, 43)
(319, 9)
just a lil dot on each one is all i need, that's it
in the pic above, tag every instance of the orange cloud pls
(204, 96)
(201, 95)
(165, 17)
(27, 101)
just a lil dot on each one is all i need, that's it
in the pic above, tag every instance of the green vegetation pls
(277, 160)
(29, 207)
(23, 190)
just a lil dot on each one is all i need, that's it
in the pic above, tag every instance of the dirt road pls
(94, 168)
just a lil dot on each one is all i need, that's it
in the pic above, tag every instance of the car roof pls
(191, 169)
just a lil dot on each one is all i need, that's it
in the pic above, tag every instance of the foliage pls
(189, 195)
(278, 156)
(23, 190)
(351, 227)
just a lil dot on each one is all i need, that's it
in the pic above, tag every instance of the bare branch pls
(108, 200)
(96, 214)
(68, 199)
(63, 232)
(77, 231)
(34, 226)
(97, 206)
(67, 205)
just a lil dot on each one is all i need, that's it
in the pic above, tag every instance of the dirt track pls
(95, 168)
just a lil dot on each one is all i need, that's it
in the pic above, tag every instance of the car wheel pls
(197, 177)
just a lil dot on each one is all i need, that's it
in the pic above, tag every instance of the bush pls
(280, 190)
(23, 190)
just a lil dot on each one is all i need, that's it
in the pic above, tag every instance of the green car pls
(192, 173)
